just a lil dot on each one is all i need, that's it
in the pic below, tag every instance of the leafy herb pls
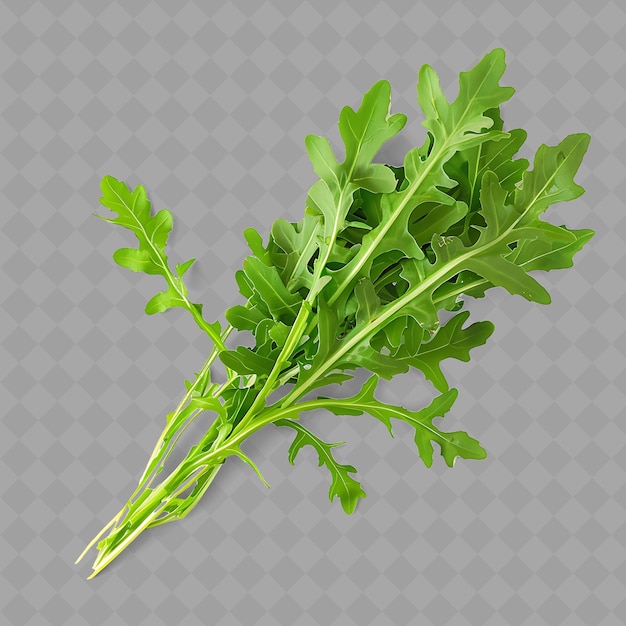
(358, 283)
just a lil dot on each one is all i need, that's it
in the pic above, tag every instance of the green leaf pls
(328, 330)
(236, 450)
(421, 309)
(269, 289)
(361, 355)
(323, 160)
(451, 341)
(343, 485)
(163, 301)
(295, 244)
(182, 268)
(549, 254)
(209, 404)
(452, 445)
(136, 260)
(255, 243)
(244, 284)
(499, 271)
(134, 213)
(454, 126)
(450, 294)
(479, 92)
(506, 227)
(336, 378)
(552, 178)
(279, 333)
(437, 221)
(364, 132)
(395, 331)
(469, 165)
(245, 361)
(364, 355)
(531, 254)
(244, 318)
(368, 302)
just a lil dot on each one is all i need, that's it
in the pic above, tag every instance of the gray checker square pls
(208, 108)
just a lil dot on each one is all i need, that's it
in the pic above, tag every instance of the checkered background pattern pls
(208, 108)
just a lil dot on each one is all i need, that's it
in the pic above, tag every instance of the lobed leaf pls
(451, 341)
(452, 127)
(269, 290)
(152, 231)
(343, 485)
(552, 178)
(452, 445)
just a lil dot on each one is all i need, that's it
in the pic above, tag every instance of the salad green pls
(358, 283)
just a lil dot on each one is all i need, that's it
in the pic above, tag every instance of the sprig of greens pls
(358, 283)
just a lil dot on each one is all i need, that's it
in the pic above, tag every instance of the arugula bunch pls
(358, 283)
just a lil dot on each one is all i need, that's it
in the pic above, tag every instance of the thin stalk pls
(174, 515)
(159, 450)
(201, 374)
(148, 513)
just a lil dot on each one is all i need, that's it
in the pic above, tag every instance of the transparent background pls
(208, 108)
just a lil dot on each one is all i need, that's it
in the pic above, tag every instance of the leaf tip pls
(398, 120)
(107, 181)
(584, 138)
(380, 87)
(103, 218)
(350, 506)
